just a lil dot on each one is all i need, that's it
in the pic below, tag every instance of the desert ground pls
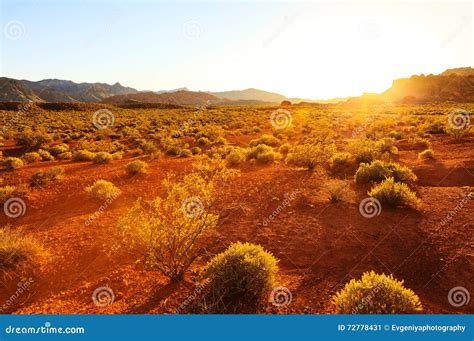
(309, 218)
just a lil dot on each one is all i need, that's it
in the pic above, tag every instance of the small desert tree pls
(167, 230)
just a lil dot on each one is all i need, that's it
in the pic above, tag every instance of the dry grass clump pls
(12, 163)
(310, 155)
(426, 154)
(31, 157)
(262, 154)
(42, 177)
(102, 189)
(83, 155)
(380, 170)
(102, 157)
(394, 194)
(239, 279)
(18, 249)
(136, 167)
(6, 192)
(376, 294)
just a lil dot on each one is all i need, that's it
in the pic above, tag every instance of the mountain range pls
(456, 85)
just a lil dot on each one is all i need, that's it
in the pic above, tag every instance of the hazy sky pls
(311, 50)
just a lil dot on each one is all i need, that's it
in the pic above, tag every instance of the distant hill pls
(250, 94)
(56, 90)
(453, 85)
(177, 98)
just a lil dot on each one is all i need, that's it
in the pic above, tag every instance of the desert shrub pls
(419, 143)
(261, 153)
(45, 155)
(221, 141)
(31, 157)
(394, 194)
(310, 155)
(284, 148)
(338, 191)
(17, 249)
(6, 192)
(457, 133)
(42, 177)
(59, 149)
(379, 170)
(102, 189)
(426, 154)
(236, 156)
(434, 127)
(395, 135)
(174, 151)
(269, 140)
(387, 146)
(64, 156)
(147, 147)
(166, 230)
(185, 153)
(102, 157)
(118, 155)
(364, 150)
(12, 163)
(136, 167)
(376, 294)
(239, 278)
(339, 159)
(83, 155)
(203, 141)
(196, 150)
(33, 139)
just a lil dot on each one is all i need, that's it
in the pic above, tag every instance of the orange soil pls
(321, 246)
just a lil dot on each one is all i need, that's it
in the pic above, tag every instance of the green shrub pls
(64, 156)
(310, 155)
(59, 149)
(42, 177)
(16, 249)
(235, 157)
(83, 155)
(339, 159)
(376, 294)
(33, 139)
(394, 194)
(12, 163)
(196, 150)
(284, 148)
(379, 170)
(365, 150)
(136, 167)
(31, 157)
(426, 154)
(269, 140)
(102, 157)
(102, 189)
(240, 278)
(45, 155)
(261, 153)
(6, 192)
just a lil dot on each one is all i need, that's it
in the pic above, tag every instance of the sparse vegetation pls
(376, 294)
(240, 278)
(102, 189)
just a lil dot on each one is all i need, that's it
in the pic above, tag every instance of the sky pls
(311, 50)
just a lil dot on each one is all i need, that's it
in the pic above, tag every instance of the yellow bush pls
(310, 155)
(102, 189)
(6, 192)
(379, 170)
(239, 278)
(136, 167)
(394, 194)
(376, 294)
(17, 249)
